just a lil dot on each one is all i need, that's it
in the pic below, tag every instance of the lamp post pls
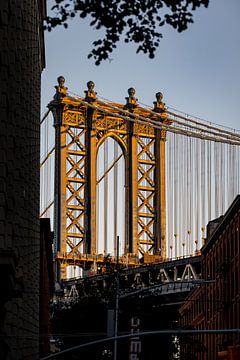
(188, 243)
(196, 242)
(106, 354)
(183, 244)
(203, 240)
(176, 253)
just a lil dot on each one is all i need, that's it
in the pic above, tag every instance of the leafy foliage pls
(137, 20)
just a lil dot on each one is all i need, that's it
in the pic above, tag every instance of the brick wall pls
(216, 305)
(21, 62)
(46, 285)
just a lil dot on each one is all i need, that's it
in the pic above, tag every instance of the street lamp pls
(176, 253)
(203, 240)
(183, 244)
(188, 242)
(106, 354)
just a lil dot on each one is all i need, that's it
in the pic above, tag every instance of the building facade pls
(21, 63)
(46, 286)
(216, 303)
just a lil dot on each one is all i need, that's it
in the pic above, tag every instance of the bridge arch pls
(111, 195)
(114, 136)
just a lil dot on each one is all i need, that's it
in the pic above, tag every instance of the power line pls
(178, 332)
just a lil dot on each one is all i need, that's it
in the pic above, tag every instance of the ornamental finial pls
(90, 93)
(131, 99)
(159, 105)
(61, 90)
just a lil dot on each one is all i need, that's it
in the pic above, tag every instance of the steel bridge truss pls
(166, 279)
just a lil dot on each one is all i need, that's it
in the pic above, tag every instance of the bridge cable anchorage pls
(220, 136)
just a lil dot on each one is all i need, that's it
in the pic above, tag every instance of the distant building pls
(216, 304)
(21, 63)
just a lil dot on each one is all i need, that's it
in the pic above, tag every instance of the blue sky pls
(197, 70)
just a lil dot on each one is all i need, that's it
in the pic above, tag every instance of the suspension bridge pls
(130, 190)
(152, 176)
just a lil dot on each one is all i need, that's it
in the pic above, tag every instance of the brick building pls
(46, 285)
(216, 304)
(21, 63)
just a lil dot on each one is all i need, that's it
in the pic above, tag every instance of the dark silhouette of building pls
(216, 303)
(46, 285)
(21, 63)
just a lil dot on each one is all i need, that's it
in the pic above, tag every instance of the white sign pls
(135, 342)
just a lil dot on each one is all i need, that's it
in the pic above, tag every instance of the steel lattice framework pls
(80, 130)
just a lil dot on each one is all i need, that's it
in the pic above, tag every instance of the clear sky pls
(197, 70)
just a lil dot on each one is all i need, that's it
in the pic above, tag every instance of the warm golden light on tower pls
(82, 124)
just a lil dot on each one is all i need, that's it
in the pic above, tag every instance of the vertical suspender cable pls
(238, 185)
(215, 164)
(229, 176)
(203, 186)
(188, 194)
(172, 196)
(191, 187)
(45, 167)
(176, 192)
(183, 197)
(115, 200)
(105, 148)
(221, 178)
(224, 176)
(233, 171)
(185, 224)
(180, 240)
(197, 166)
(169, 189)
(209, 182)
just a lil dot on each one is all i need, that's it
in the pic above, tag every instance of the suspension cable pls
(201, 124)
(45, 116)
(234, 139)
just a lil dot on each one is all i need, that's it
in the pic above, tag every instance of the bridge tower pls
(81, 126)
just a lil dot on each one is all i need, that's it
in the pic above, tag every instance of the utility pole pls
(116, 304)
